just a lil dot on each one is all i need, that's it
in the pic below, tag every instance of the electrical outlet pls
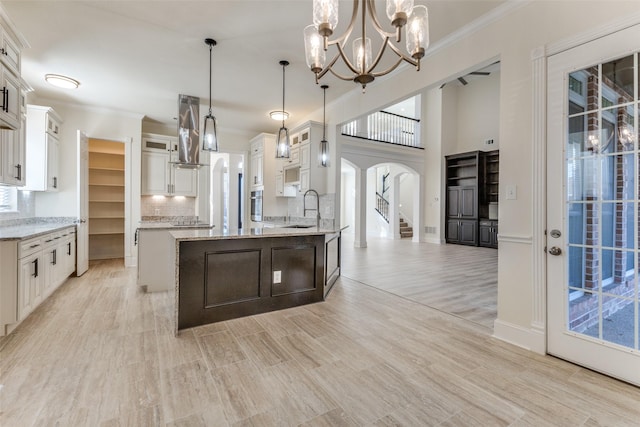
(277, 277)
(488, 142)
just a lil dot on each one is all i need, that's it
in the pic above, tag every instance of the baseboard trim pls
(131, 261)
(527, 338)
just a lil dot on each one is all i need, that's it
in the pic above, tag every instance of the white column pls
(394, 207)
(418, 207)
(360, 238)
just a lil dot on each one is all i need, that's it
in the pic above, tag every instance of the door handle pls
(555, 251)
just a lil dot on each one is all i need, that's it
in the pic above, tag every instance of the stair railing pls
(382, 206)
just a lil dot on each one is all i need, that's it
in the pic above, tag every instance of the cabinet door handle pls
(69, 248)
(55, 182)
(55, 256)
(5, 99)
(35, 267)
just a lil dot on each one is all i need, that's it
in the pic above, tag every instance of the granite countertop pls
(26, 231)
(203, 234)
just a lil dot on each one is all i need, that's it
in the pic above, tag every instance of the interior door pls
(593, 204)
(82, 236)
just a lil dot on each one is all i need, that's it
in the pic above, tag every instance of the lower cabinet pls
(43, 264)
(30, 283)
(488, 233)
(461, 231)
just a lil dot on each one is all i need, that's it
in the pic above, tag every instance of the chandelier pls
(401, 13)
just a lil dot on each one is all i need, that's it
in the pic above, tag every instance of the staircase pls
(405, 229)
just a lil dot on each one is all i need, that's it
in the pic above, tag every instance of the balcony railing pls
(386, 127)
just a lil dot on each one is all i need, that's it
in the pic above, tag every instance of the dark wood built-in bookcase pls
(472, 196)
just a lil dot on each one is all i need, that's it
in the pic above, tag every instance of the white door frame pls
(536, 336)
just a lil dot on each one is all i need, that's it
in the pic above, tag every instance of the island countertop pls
(182, 235)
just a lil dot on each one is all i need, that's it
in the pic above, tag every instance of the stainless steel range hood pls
(188, 131)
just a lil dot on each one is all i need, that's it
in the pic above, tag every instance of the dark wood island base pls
(222, 279)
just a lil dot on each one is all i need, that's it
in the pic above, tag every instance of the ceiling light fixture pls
(279, 115)
(210, 134)
(400, 12)
(323, 157)
(61, 81)
(283, 148)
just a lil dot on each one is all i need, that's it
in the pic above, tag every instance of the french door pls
(593, 205)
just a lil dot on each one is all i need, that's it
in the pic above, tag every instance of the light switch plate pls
(277, 277)
(511, 192)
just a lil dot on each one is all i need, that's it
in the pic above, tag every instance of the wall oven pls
(256, 206)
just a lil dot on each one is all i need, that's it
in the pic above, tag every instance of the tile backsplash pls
(167, 206)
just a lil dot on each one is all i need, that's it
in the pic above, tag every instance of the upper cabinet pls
(10, 81)
(12, 154)
(42, 145)
(160, 173)
(312, 176)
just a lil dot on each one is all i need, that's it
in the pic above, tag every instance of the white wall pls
(101, 124)
(476, 117)
(347, 198)
(511, 38)
(433, 116)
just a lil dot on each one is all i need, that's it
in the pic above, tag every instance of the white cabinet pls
(311, 175)
(12, 156)
(9, 99)
(11, 45)
(257, 162)
(29, 284)
(43, 131)
(31, 270)
(160, 174)
(154, 257)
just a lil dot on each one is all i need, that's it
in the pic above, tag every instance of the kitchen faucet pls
(317, 209)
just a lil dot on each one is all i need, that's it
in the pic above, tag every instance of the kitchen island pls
(221, 275)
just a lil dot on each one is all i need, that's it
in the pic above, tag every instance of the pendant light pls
(210, 137)
(283, 148)
(323, 153)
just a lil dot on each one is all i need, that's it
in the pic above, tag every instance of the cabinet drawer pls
(30, 246)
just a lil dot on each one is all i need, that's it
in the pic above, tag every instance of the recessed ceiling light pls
(62, 81)
(279, 115)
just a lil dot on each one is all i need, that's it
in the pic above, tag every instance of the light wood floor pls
(460, 280)
(100, 353)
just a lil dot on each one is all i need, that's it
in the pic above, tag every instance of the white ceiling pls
(137, 56)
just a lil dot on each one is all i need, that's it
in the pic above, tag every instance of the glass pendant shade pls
(325, 16)
(360, 51)
(417, 32)
(314, 49)
(283, 148)
(210, 131)
(210, 136)
(323, 154)
(398, 11)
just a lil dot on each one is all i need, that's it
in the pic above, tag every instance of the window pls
(8, 199)
(575, 85)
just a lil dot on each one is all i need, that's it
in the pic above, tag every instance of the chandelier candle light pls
(210, 137)
(283, 148)
(401, 13)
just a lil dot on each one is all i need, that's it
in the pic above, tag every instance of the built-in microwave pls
(292, 176)
(256, 205)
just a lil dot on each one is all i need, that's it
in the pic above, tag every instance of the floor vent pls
(430, 229)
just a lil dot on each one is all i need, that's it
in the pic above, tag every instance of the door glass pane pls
(617, 81)
(602, 202)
